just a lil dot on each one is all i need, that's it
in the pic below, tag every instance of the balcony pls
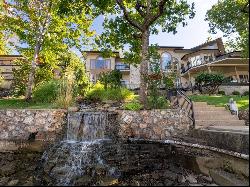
(122, 67)
(201, 62)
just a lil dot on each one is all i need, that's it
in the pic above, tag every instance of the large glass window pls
(100, 63)
(166, 61)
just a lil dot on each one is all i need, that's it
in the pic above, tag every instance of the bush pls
(98, 93)
(246, 93)
(111, 79)
(221, 92)
(21, 75)
(159, 103)
(66, 90)
(209, 81)
(134, 106)
(47, 91)
(235, 93)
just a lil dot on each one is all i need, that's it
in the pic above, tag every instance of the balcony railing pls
(122, 67)
(205, 60)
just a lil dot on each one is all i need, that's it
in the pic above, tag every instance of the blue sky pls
(195, 33)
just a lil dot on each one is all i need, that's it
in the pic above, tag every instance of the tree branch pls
(138, 7)
(127, 17)
(161, 7)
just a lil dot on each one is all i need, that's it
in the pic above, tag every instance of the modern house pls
(186, 63)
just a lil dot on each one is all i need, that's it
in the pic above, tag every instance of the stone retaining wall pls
(154, 124)
(24, 124)
(229, 89)
(244, 115)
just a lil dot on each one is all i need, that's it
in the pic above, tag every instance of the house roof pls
(174, 47)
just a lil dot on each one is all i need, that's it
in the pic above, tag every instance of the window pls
(100, 63)
(166, 61)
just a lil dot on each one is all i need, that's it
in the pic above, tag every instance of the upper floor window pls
(166, 61)
(100, 63)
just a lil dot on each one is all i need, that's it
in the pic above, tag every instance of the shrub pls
(21, 74)
(134, 106)
(235, 93)
(111, 79)
(46, 91)
(209, 81)
(66, 92)
(221, 92)
(98, 93)
(246, 93)
(159, 103)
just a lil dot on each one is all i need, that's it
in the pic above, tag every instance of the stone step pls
(210, 108)
(234, 129)
(207, 123)
(228, 117)
(212, 113)
(197, 104)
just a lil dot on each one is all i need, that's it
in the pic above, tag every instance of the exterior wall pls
(229, 89)
(6, 66)
(19, 124)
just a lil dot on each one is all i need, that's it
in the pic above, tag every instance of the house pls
(186, 63)
(6, 66)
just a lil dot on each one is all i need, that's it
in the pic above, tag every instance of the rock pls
(143, 126)
(84, 180)
(13, 182)
(73, 109)
(28, 120)
(191, 179)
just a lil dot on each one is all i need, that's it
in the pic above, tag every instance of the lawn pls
(21, 103)
(221, 100)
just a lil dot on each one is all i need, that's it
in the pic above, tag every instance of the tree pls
(134, 23)
(44, 35)
(231, 17)
(130, 23)
(209, 82)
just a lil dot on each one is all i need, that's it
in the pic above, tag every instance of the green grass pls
(221, 100)
(22, 104)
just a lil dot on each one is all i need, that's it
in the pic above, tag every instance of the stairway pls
(212, 117)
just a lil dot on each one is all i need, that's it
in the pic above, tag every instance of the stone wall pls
(244, 115)
(26, 124)
(154, 124)
(229, 89)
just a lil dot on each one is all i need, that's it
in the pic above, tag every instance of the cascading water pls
(74, 157)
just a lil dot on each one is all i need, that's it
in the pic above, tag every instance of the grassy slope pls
(219, 100)
(20, 104)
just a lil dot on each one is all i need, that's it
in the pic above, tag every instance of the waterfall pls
(86, 126)
(73, 157)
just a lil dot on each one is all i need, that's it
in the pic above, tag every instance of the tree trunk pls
(32, 74)
(144, 67)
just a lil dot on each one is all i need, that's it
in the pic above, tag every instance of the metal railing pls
(189, 106)
(122, 67)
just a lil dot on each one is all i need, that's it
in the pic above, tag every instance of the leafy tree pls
(111, 79)
(129, 24)
(209, 81)
(44, 35)
(231, 16)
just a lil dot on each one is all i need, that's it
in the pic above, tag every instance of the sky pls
(195, 33)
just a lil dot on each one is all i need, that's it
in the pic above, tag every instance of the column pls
(237, 75)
